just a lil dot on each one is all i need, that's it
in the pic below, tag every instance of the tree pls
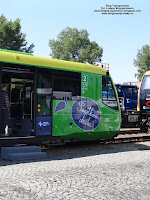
(74, 45)
(142, 61)
(11, 37)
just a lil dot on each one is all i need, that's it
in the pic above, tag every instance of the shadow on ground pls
(75, 150)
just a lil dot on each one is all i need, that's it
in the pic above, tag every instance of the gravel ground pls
(81, 171)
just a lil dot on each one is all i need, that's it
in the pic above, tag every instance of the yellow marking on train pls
(24, 59)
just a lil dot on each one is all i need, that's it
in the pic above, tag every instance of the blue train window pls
(130, 91)
(108, 93)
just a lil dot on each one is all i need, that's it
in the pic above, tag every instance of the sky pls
(120, 36)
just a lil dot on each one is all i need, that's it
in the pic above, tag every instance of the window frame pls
(65, 77)
(107, 99)
(144, 83)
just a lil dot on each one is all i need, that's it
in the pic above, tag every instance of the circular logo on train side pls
(86, 114)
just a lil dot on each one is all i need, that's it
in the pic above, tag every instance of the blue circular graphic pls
(86, 114)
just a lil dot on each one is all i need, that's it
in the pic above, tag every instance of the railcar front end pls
(144, 102)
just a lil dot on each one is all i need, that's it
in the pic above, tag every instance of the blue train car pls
(128, 95)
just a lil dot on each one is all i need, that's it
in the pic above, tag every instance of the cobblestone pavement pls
(85, 171)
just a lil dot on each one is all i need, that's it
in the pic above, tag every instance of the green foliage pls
(142, 61)
(11, 37)
(74, 45)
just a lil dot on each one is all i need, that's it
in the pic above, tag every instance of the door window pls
(44, 92)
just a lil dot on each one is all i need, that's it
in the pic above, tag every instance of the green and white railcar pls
(55, 101)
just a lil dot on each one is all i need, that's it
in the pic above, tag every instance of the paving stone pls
(87, 171)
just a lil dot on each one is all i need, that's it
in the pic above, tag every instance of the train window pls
(66, 83)
(108, 93)
(130, 91)
(145, 83)
(119, 90)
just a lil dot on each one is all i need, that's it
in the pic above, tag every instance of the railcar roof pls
(147, 73)
(13, 57)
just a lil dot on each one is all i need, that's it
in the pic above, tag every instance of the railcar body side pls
(58, 100)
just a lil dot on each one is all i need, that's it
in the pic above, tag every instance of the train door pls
(28, 100)
(44, 99)
(20, 86)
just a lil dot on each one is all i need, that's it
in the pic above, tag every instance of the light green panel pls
(63, 124)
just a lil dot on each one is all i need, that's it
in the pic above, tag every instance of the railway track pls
(129, 131)
(130, 135)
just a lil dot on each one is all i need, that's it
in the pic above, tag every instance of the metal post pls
(0, 94)
(35, 98)
(31, 105)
